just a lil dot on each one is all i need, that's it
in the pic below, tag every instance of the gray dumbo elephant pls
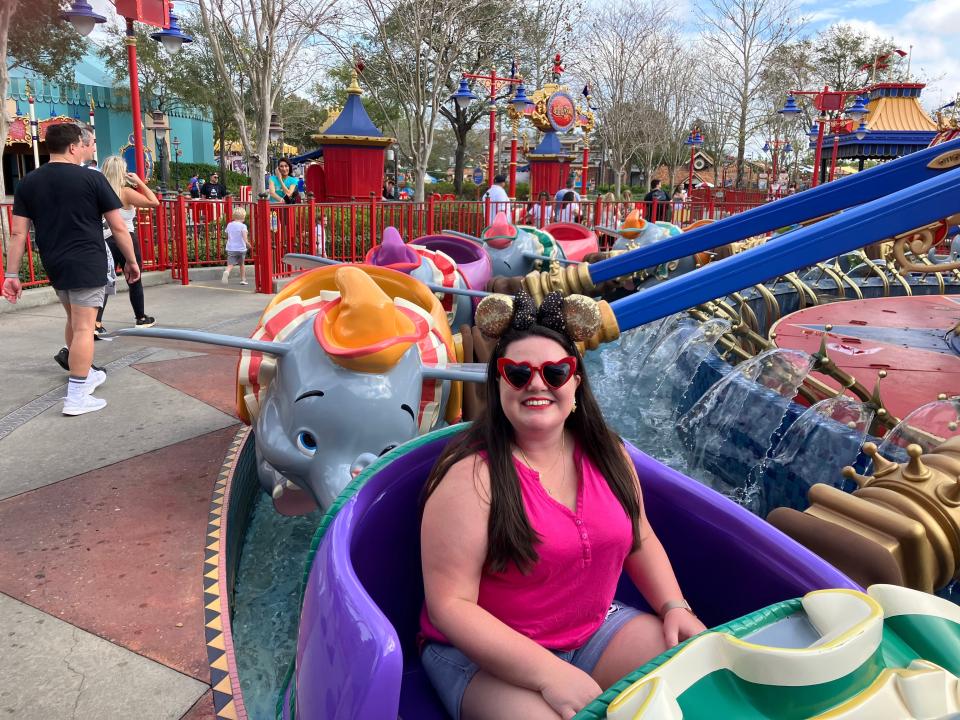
(334, 381)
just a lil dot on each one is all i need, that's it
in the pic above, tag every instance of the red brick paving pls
(209, 378)
(119, 551)
(203, 709)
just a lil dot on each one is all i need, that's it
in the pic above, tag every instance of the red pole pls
(493, 141)
(693, 149)
(182, 240)
(819, 154)
(264, 247)
(162, 235)
(833, 159)
(583, 172)
(513, 168)
(373, 219)
(431, 210)
(774, 178)
(131, 41)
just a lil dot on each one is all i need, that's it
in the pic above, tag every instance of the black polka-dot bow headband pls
(576, 316)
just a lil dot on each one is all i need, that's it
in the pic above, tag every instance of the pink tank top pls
(565, 596)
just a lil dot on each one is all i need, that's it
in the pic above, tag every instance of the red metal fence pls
(184, 233)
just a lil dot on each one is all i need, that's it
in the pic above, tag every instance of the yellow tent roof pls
(899, 114)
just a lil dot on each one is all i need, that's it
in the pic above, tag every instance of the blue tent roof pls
(353, 120)
(312, 155)
(550, 145)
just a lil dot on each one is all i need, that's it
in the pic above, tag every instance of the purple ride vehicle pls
(356, 651)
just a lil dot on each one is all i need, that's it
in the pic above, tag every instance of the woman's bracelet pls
(14, 275)
(673, 605)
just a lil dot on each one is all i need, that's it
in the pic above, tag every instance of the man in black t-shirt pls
(213, 189)
(67, 204)
(659, 194)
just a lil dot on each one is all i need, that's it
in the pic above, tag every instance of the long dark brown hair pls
(510, 537)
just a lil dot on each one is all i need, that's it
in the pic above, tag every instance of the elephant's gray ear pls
(177, 339)
(300, 261)
(467, 372)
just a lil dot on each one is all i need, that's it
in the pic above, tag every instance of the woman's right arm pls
(453, 541)
(273, 191)
(143, 197)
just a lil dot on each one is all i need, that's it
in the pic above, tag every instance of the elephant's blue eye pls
(307, 443)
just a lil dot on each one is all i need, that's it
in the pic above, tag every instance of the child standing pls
(238, 243)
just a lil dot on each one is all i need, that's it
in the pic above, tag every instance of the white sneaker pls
(244, 282)
(83, 404)
(95, 379)
(226, 276)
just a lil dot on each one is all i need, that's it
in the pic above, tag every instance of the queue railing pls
(185, 233)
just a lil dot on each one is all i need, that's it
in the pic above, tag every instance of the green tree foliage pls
(841, 53)
(33, 37)
(162, 78)
(381, 104)
(40, 41)
(301, 121)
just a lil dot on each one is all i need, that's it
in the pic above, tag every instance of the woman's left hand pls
(680, 624)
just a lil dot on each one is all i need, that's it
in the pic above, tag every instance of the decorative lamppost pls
(177, 152)
(463, 96)
(158, 13)
(275, 133)
(831, 106)
(518, 107)
(158, 124)
(694, 141)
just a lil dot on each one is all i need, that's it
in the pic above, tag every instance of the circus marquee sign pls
(562, 112)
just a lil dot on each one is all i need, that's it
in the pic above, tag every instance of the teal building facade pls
(94, 86)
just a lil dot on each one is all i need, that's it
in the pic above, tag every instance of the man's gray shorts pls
(236, 257)
(83, 297)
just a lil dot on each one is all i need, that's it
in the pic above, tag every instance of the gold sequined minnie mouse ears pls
(576, 316)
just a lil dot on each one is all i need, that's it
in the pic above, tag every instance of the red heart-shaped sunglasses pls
(555, 374)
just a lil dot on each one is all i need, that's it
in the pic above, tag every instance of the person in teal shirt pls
(283, 185)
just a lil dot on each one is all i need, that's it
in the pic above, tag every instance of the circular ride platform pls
(911, 338)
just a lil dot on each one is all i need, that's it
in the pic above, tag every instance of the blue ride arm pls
(900, 212)
(844, 193)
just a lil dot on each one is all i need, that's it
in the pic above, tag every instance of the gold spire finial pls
(354, 88)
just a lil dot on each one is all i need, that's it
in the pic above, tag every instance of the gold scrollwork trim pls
(918, 242)
(875, 269)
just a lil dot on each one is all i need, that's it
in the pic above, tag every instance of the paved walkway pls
(103, 516)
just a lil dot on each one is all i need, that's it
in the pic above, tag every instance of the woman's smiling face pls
(537, 407)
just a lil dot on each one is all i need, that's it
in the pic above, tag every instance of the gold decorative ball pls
(882, 374)
(493, 315)
(582, 315)
(828, 328)
(942, 396)
(952, 425)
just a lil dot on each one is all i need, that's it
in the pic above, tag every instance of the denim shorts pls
(450, 671)
(235, 257)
